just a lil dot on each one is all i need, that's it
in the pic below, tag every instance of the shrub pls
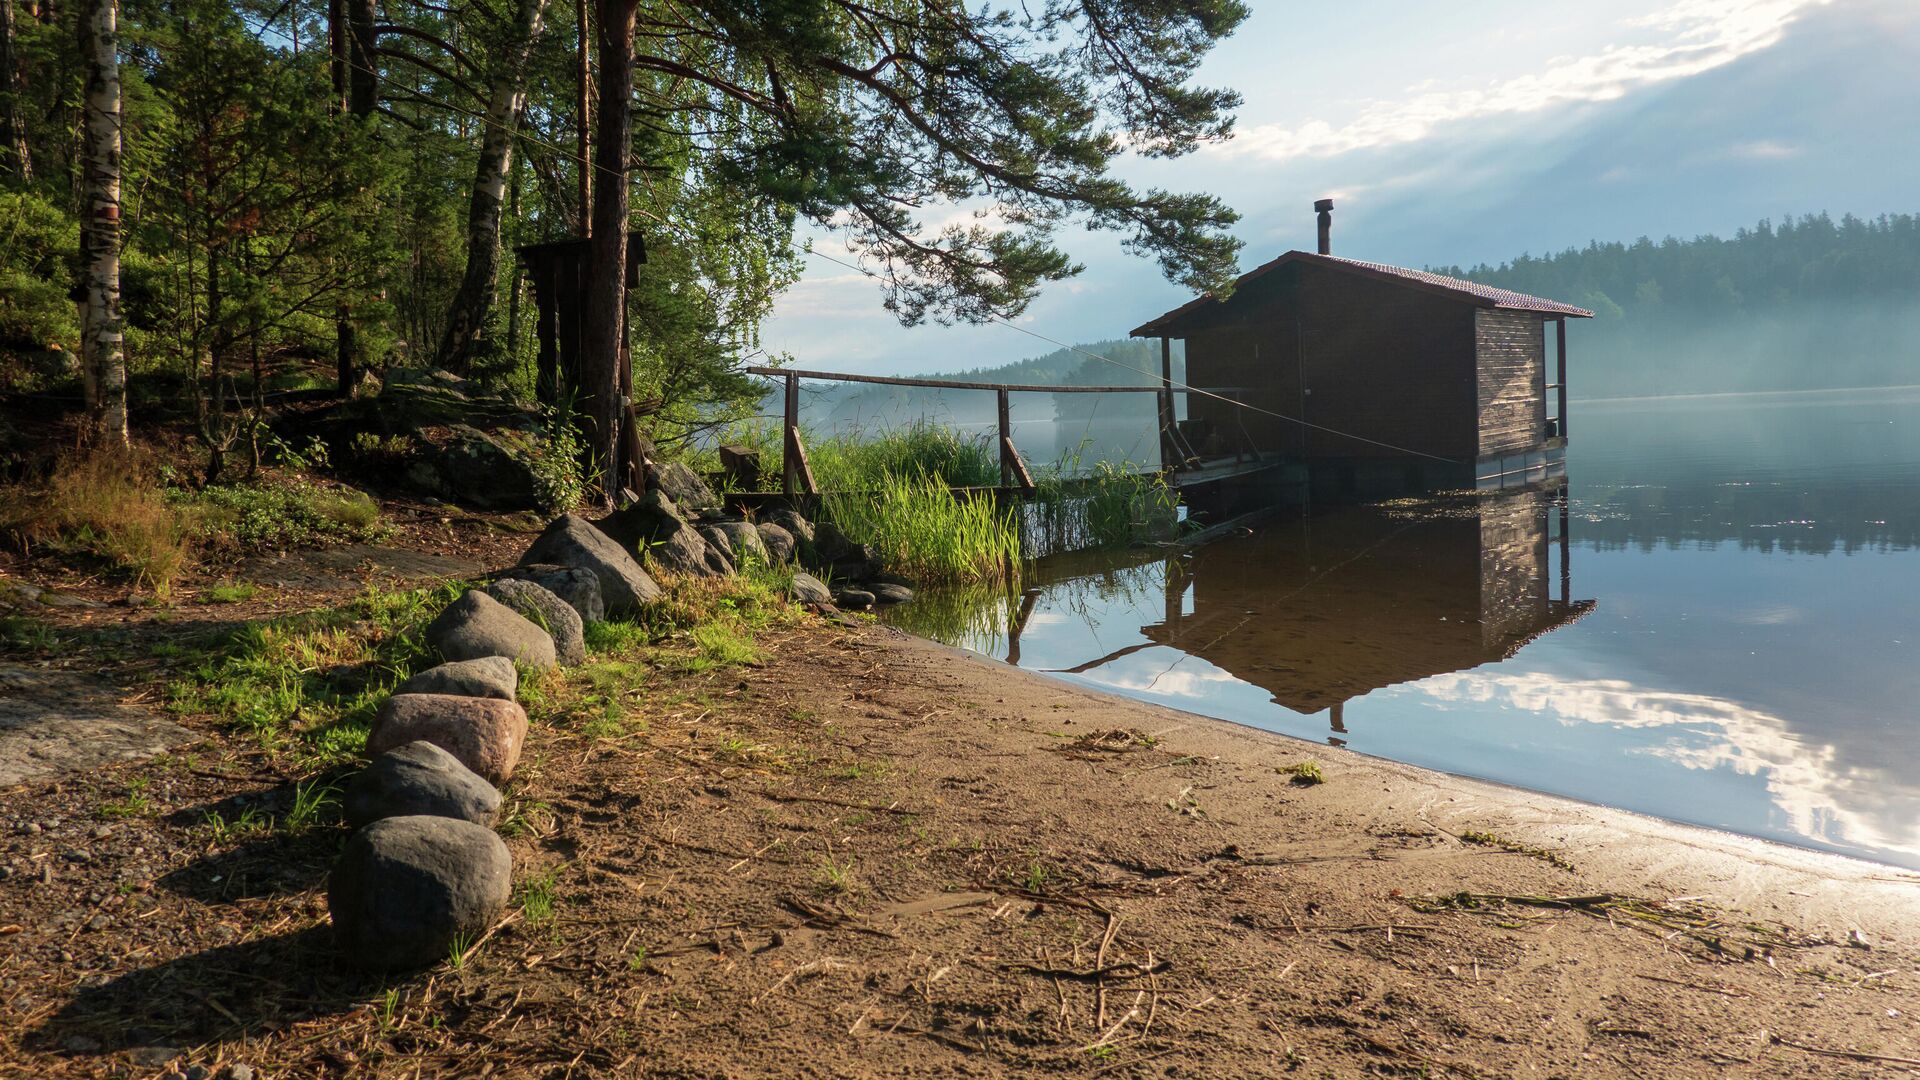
(555, 457)
(281, 515)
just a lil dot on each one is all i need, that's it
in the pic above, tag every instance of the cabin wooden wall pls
(1379, 360)
(1512, 347)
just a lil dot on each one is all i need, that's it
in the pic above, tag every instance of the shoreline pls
(1879, 899)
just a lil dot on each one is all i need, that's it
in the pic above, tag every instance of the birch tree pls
(14, 157)
(103, 358)
(467, 315)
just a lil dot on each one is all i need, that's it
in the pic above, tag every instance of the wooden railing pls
(796, 475)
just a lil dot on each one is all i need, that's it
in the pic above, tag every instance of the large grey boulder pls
(777, 542)
(743, 542)
(484, 470)
(797, 526)
(808, 589)
(655, 529)
(682, 485)
(488, 676)
(571, 540)
(406, 888)
(418, 778)
(477, 625)
(577, 585)
(484, 734)
(547, 611)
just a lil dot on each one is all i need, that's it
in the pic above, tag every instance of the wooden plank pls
(789, 466)
(947, 384)
(803, 470)
(1560, 377)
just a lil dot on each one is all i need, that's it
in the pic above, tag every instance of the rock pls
(239, 1072)
(655, 529)
(834, 551)
(546, 611)
(486, 471)
(571, 540)
(484, 734)
(743, 543)
(886, 592)
(406, 887)
(575, 584)
(477, 625)
(682, 485)
(418, 778)
(853, 599)
(486, 676)
(778, 543)
(798, 527)
(808, 589)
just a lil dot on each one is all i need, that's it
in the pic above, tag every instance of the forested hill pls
(1807, 302)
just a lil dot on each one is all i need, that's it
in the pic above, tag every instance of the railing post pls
(1006, 437)
(789, 467)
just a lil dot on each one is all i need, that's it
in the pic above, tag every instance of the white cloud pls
(1816, 795)
(1695, 36)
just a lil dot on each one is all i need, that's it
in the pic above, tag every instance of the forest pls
(1805, 303)
(211, 205)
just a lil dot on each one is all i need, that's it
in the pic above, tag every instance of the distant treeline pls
(1808, 302)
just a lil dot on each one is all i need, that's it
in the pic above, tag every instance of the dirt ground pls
(872, 856)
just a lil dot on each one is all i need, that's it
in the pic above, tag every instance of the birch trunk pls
(103, 360)
(606, 300)
(467, 317)
(13, 133)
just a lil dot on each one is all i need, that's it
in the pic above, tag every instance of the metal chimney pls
(1324, 207)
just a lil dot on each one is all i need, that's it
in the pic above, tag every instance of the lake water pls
(1727, 635)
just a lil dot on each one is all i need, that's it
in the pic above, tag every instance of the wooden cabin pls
(1382, 380)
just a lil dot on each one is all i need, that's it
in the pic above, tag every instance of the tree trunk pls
(583, 114)
(467, 317)
(606, 299)
(13, 132)
(356, 89)
(363, 79)
(103, 360)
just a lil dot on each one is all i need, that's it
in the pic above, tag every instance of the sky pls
(1452, 134)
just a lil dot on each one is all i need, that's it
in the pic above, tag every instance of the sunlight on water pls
(1726, 636)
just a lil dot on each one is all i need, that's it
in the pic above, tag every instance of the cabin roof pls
(1471, 292)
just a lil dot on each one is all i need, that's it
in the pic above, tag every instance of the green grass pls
(1305, 773)
(538, 897)
(309, 684)
(1111, 505)
(924, 531)
(229, 592)
(250, 517)
(24, 633)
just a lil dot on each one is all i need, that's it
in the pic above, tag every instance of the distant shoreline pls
(1743, 394)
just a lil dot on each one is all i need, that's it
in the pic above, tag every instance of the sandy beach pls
(870, 855)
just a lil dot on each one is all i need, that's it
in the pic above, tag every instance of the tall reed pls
(921, 529)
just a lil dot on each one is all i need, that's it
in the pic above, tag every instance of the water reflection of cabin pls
(1362, 598)
(1447, 378)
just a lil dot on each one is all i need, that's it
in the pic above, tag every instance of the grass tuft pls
(105, 504)
(924, 531)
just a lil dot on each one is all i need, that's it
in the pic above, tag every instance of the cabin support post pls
(796, 476)
(1169, 453)
(1560, 373)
